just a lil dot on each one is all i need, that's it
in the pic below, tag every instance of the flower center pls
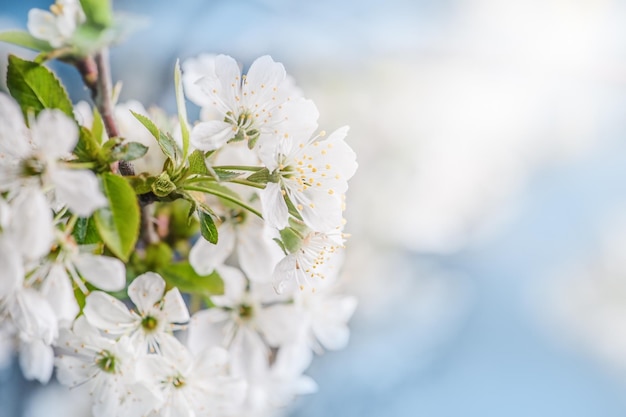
(149, 323)
(246, 311)
(106, 361)
(32, 167)
(178, 381)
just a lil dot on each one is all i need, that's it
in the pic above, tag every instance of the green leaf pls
(36, 88)
(262, 176)
(141, 183)
(148, 124)
(118, 224)
(158, 255)
(26, 40)
(197, 164)
(97, 127)
(207, 227)
(290, 239)
(183, 276)
(169, 147)
(128, 151)
(98, 12)
(226, 175)
(85, 231)
(182, 109)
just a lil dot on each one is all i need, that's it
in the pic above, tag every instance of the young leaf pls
(183, 276)
(182, 110)
(98, 12)
(128, 151)
(118, 224)
(148, 124)
(207, 227)
(85, 231)
(197, 164)
(262, 176)
(36, 88)
(169, 147)
(26, 40)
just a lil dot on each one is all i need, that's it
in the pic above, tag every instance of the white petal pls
(211, 135)
(104, 272)
(146, 290)
(57, 289)
(11, 269)
(284, 277)
(13, 135)
(71, 371)
(108, 313)
(42, 25)
(274, 207)
(264, 76)
(32, 226)
(257, 253)
(54, 133)
(205, 256)
(36, 360)
(174, 307)
(34, 317)
(234, 287)
(205, 329)
(193, 70)
(79, 190)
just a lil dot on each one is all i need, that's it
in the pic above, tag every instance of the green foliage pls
(182, 109)
(207, 227)
(197, 164)
(118, 224)
(128, 151)
(36, 88)
(183, 276)
(25, 39)
(85, 231)
(98, 12)
(262, 176)
(166, 142)
(291, 240)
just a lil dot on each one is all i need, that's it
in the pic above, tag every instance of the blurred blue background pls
(487, 224)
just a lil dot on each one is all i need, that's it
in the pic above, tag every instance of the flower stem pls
(225, 197)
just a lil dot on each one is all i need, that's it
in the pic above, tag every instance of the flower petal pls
(146, 291)
(54, 133)
(78, 190)
(104, 272)
(108, 313)
(174, 307)
(57, 289)
(211, 135)
(205, 256)
(274, 207)
(36, 360)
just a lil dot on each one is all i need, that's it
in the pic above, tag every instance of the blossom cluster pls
(219, 314)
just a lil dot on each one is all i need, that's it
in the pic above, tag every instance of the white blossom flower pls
(69, 265)
(59, 24)
(313, 174)
(312, 261)
(246, 320)
(190, 387)
(104, 367)
(35, 158)
(272, 387)
(260, 105)
(247, 236)
(156, 316)
(324, 318)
